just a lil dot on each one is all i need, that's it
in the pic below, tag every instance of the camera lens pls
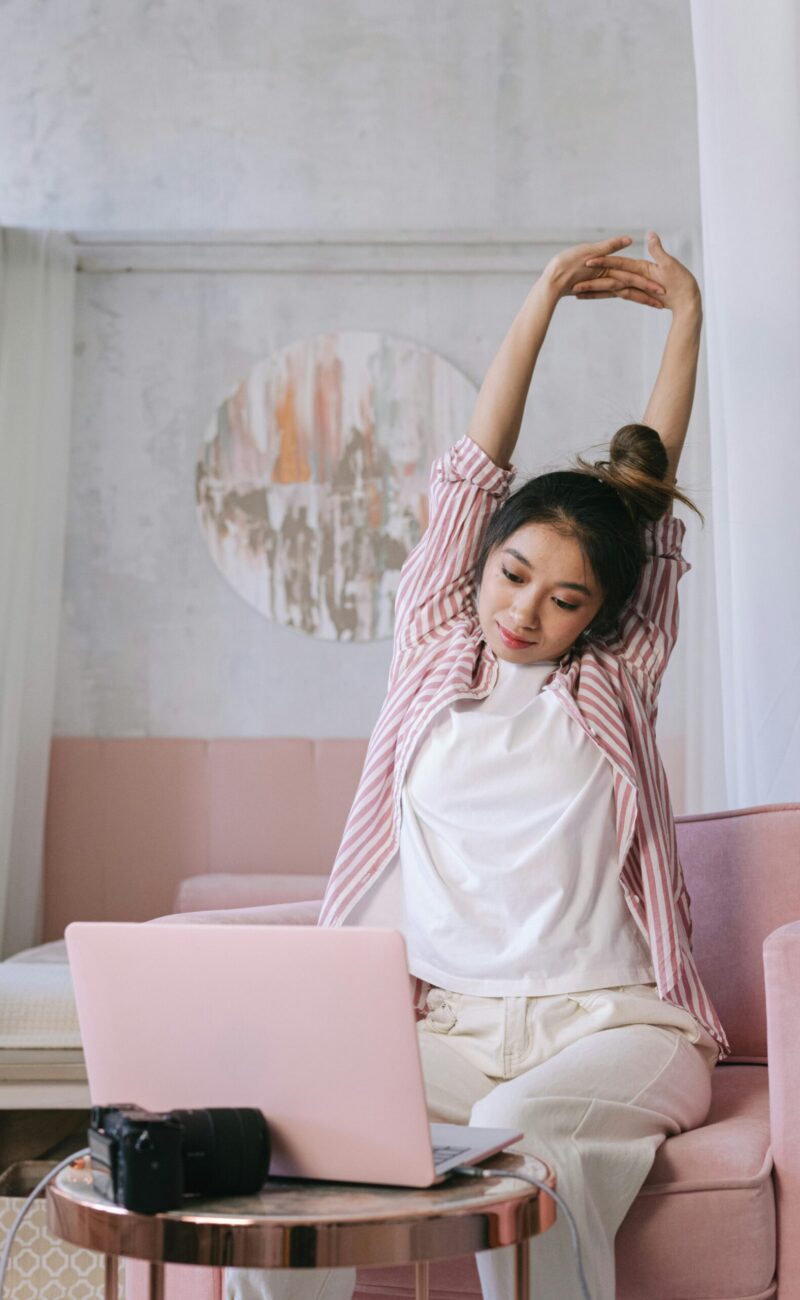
(226, 1150)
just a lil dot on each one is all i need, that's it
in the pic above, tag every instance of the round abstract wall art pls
(313, 481)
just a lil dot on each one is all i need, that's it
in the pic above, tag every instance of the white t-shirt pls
(508, 853)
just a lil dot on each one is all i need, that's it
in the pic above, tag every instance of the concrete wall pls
(262, 114)
(557, 120)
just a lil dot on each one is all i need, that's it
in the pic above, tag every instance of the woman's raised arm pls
(497, 418)
(671, 400)
(670, 404)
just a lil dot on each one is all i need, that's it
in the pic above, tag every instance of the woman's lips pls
(513, 642)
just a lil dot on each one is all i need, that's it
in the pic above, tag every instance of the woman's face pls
(537, 594)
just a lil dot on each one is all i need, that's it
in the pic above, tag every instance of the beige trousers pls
(596, 1081)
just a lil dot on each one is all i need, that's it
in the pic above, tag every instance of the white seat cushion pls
(37, 1006)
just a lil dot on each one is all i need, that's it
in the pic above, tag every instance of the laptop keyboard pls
(440, 1154)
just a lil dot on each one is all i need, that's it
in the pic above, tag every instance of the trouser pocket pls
(441, 1010)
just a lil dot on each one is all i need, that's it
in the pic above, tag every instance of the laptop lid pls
(314, 1025)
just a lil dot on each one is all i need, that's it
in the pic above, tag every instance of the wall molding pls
(329, 252)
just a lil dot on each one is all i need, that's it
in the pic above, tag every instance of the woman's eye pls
(512, 577)
(563, 604)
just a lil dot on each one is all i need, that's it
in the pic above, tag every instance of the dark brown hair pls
(605, 506)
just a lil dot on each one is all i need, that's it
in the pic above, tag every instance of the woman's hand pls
(567, 274)
(609, 276)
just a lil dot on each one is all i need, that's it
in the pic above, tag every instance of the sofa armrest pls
(782, 978)
(302, 913)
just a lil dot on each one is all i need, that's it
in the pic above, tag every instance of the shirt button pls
(593, 730)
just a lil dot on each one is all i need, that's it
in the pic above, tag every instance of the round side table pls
(293, 1223)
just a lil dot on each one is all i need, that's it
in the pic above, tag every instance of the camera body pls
(148, 1161)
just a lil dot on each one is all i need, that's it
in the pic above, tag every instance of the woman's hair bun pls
(637, 468)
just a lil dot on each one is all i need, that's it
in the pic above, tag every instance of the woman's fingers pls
(611, 287)
(599, 252)
(567, 267)
(616, 279)
(607, 246)
(632, 295)
(659, 279)
(638, 264)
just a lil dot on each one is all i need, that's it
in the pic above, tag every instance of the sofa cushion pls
(272, 914)
(37, 1005)
(710, 1190)
(227, 889)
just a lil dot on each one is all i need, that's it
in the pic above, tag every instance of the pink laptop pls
(311, 1024)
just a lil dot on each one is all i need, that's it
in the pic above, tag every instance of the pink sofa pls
(719, 1215)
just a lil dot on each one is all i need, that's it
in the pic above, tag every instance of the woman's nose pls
(526, 614)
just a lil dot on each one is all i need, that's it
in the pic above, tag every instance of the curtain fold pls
(747, 65)
(37, 291)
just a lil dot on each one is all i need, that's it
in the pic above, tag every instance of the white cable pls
(474, 1172)
(76, 1155)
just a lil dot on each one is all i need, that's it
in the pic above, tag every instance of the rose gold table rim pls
(471, 1215)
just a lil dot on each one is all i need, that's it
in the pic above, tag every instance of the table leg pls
(155, 1282)
(522, 1281)
(421, 1291)
(111, 1282)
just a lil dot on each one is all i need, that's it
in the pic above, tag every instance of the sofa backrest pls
(742, 870)
(127, 820)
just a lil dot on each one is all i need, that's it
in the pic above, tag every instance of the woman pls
(513, 816)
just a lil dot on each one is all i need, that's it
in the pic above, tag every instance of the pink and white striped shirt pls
(610, 689)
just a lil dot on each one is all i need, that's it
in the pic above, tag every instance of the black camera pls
(148, 1162)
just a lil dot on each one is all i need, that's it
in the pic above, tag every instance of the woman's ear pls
(587, 631)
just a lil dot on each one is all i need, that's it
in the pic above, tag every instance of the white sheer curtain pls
(37, 288)
(747, 60)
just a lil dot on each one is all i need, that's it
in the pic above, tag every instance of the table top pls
(294, 1223)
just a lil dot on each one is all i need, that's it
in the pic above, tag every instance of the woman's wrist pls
(687, 327)
(539, 305)
(550, 286)
(689, 309)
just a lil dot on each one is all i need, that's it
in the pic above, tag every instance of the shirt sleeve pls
(465, 489)
(648, 625)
